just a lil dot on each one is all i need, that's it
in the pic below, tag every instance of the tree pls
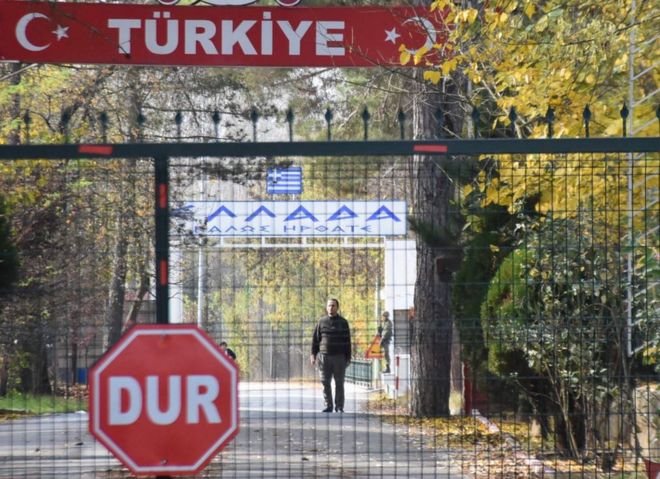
(9, 267)
(558, 54)
(58, 210)
(547, 60)
(554, 323)
(489, 243)
(9, 263)
(35, 205)
(437, 223)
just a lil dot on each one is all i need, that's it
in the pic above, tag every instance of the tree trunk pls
(456, 363)
(125, 229)
(42, 378)
(15, 112)
(4, 374)
(431, 343)
(74, 360)
(34, 377)
(438, 253)
(143, 289)
(115, 312)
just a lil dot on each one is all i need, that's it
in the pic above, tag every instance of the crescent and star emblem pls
(21, 32)
(431, 34)
(429, 28)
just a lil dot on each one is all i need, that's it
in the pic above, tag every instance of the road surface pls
(283, 435)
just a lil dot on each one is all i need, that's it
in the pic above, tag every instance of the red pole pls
(652, 469)
(396, 378)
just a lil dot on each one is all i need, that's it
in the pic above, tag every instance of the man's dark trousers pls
(332, 366)
(385, 348)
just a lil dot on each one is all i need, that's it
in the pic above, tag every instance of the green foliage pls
(436, 236)
(557, 293)
(646, 310)
(555, 313)
(500, 315)
(235, 310)
(481, 258)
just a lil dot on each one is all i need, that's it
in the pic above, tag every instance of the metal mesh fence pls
(522, 292)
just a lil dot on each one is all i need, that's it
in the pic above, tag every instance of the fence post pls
(328, 121)
(586, 115)
(216, 124)
(254, 118)
(27, 120)
(401, 118)
(178, 120)
(162, 239)
(549, 119)
(289, 120)
(624, 118)
(475, 122)
(64, 124)
(141, 119)
(103, 120)
(513, 116)
(366, 116)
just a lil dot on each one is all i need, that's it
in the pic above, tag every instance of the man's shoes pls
(339, 409)
(328, 409)
(387, 371)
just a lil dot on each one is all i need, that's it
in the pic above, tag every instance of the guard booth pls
(400, 272)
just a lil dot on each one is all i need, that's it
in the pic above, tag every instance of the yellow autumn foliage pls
(567, 184)
(565, 55)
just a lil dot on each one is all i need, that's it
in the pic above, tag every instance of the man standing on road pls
(331, 346)
(385, 332)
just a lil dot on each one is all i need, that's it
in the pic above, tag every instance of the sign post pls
(374, 351)
(164, 400)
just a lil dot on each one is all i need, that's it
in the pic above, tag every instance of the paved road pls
(283, 435)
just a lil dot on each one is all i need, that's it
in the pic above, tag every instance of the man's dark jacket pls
(332, 336)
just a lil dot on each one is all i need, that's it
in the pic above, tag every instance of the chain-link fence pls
(521, 290)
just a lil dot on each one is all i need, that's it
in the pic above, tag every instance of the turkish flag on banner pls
(56, 32)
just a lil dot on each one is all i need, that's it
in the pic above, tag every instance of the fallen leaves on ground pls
(497, 447)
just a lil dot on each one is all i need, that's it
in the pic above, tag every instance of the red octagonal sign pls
(164, 399)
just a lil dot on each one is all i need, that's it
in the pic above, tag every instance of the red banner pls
(55, 32)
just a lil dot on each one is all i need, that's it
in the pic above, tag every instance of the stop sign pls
(164, 399)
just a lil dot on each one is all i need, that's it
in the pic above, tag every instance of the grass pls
(17, 404)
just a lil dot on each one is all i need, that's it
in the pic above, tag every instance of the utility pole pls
(201, 281)
(201, 265)
(638, 48)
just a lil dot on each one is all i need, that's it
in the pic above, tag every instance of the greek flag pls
(284, 181)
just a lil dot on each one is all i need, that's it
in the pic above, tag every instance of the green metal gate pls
(555, 305)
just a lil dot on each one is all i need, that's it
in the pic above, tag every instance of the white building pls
(398, 295)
